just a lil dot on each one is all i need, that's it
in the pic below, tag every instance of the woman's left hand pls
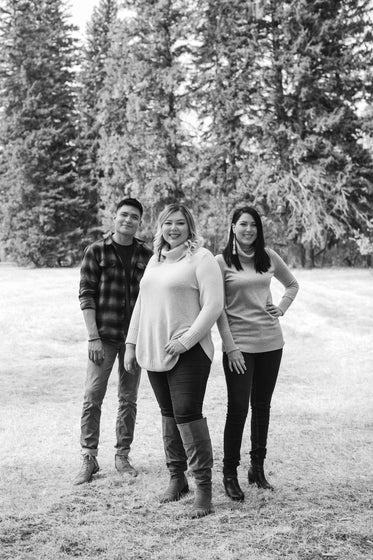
(174, 347)
(274, 310)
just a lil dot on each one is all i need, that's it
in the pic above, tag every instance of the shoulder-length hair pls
(262, 261)
(193, 241)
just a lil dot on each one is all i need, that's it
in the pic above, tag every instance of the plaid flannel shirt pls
(102, 285)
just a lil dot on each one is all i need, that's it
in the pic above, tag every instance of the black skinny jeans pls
(259, 380)
(180, 391)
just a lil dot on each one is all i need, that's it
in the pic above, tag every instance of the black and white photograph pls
(186, 279)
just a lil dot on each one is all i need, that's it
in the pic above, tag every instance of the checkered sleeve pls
(89, 279)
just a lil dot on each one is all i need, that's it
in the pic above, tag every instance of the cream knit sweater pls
(245, 324)
(179, 299)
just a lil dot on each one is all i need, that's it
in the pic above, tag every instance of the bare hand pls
(96, 351)
(174, 347)
(274, 310)
(236, 361)
(130, 362)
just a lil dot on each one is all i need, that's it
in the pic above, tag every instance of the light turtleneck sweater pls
(245, 324)
(181, 297)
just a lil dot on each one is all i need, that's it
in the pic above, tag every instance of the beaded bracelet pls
(92, 339)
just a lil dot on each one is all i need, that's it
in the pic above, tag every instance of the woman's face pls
(175, 229)
(245, 230)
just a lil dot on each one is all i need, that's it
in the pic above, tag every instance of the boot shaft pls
(197, 444)
(176, 458)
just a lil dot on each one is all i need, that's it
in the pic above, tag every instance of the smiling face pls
(126, 222)
(245, 230)
(175, 229)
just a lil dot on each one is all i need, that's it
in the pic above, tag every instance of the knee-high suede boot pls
(176, 461)
(197, 445)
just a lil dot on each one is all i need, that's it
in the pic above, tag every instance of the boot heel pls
(251, 476)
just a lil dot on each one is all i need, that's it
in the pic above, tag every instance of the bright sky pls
(81, 11)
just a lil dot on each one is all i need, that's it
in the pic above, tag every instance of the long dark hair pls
(262, 261)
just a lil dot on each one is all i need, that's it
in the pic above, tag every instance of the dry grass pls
(320, 446)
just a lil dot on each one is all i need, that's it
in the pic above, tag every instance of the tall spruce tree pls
(145, 149)
(277, 86)
(317, 57)
(41, 206)
(92, 76)
(224, 87)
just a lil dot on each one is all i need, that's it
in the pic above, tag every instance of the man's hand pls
(130, 362)
(96, 351)
(174, 347)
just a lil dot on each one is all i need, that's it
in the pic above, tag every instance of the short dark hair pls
(131, 202)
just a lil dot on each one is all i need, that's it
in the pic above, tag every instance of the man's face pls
(127, 220)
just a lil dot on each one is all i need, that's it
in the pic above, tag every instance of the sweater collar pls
(244, 257)
(175, 254)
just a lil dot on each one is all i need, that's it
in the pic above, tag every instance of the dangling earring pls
(234, 245)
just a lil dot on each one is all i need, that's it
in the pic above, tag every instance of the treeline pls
(210, 102)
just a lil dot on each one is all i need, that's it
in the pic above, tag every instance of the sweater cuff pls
(285, 304)
(131, 337)
(229, 348)
(189, 339)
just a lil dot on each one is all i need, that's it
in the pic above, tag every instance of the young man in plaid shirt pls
(110, 274)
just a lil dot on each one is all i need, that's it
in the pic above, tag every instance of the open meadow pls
(320, 452)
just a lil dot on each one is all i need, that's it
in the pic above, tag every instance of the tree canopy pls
(212, 103)
(41, 207)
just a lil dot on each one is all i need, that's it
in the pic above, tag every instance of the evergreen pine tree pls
(224, 86)
(277, 85)
(92, 78)
(318, 173)
(145, 150)
(41, 206)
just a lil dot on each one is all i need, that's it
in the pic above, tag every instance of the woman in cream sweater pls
(181, 297)
(252, 341)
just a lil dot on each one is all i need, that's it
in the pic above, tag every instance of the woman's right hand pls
(130, 363)
(236, 361)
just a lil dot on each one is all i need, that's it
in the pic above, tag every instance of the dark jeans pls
(180, 391)
(259, 380)
(95, 390)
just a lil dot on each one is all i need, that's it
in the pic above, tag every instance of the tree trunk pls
(309, 255)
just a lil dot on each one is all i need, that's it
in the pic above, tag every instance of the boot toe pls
(177, 488)
(123, 466)
(197, 513)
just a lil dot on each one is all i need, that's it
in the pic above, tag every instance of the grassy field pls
(320, 444)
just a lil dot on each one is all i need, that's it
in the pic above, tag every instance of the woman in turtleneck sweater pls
(180, 298)
(252, 341)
